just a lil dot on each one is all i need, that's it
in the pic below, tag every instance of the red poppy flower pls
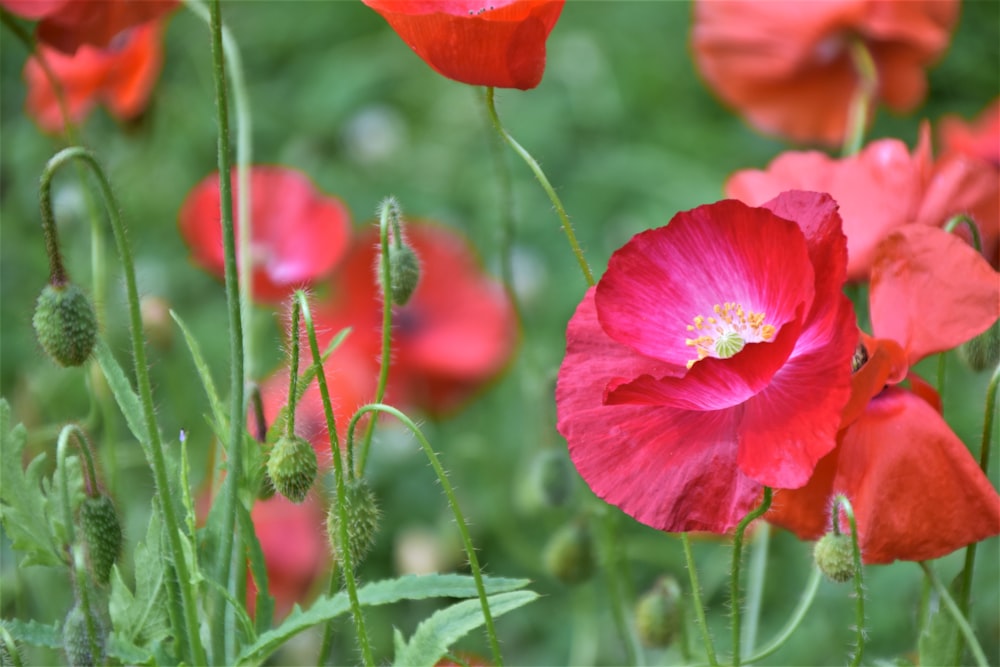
(298, 233)
(979, 139)
(917, 493)
(880, 189)
(786, 65)
(296, 553)
(66, 25)
(498, 43)
(456, 332)
(121, 77)
(712, 358)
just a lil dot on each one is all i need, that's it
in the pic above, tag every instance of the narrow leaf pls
(127, 399)
(219, 414)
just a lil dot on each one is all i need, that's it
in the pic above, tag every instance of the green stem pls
(544, 182)
(470, 551)
(965, 591)
(970, 224)
(11, 647)
(67, 509)
(841, 502)
(609, 557)
(301, 304)
(864, 95)
(957, 616)
(734, 581)
(699, 610)
(83, 591)
(83, 445)
(755, 587)
(154, 447)
(805, 602)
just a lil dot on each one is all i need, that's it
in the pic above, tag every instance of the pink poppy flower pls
(882, 188)
(712, 358)
(786, 65)
(121, 77)
(299, 234)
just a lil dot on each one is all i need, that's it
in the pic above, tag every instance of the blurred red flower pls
(881, 189)
(917, 492)
(121, 77)
(786, 65)
(456, 332)
(979, 139)
(66, 25)
(712, 358)
(499, 43)
(298, 233)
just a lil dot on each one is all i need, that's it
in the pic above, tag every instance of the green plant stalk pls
(965, 592)
(970, 224)
(609, 557)
(470, 551)
(841, 502)
(699, 609)
(755, 586)
(79, 576)
(957, 616)
(544, 182)
(11, 646)
(223, 616)
(61, 446)
(805, 602)
(864, 96)
(83, 445)
(507, 227)
(388, 213)
(187, 635)
(301, 305)
(734, 580)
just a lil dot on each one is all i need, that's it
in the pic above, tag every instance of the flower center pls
(726, 333)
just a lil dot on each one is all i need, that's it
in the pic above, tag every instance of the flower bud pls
(834, 556)
(983, 351)
(265, 490)
(103, 534)
(363, 516)
(293, 467)
(569, 555)
(76, 640)
(658, 613)
(404, 273)
(65, 323)
(550, 477)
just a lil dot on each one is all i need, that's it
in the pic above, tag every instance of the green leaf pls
(127, 652)
(939, 638)
(218, 411)
(446, 626)
(128, 400)
(264, 608)
(34, 633)
(141, 619)
(410, 587)
(22, 502)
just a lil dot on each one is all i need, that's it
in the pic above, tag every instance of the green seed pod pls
(834, 556)
(658, 613)
(404, 273)
(569, 555)
(76, 640)
(103, 533)
(293, 467)
(65, 323)
(982, 352)
(363, 516)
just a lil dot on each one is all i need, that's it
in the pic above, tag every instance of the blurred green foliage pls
(627, 134)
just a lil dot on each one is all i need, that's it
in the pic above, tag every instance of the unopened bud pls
(404, 273)
(65, 323)
(983, 351)
(569, 555)
(103, 533)
(362, 513)
(658, 613)
(292, 467)
(550, 477)
(834, 556)
(77, 640)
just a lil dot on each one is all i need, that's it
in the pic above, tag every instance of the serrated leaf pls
(141, 619)
(218, 411)
(939, 638)
(446, 626)
(127, 652)
(125, 396)
(410, 587)
(22, 502)
(34, 633)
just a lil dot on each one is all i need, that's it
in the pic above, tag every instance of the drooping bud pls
(103, 534)
(569, 555)
(548, 481)
(77, 641)
(362, 515)
(658, 613)
(834, 556)
(265, 490)
(404, 272)
(65, 323)
(983, 351)
(293, 467)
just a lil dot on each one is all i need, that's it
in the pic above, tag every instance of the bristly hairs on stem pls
(841, 503)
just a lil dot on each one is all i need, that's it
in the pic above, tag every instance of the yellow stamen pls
(724, 335)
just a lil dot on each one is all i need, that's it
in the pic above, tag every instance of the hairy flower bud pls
(834, 556)
(550, 477)
(658, 613)
(983, 351)
(292, 467)
(363, 516)
(77, 641)
(65, 323)
(404, 273)
(103, 533)
(569, 555)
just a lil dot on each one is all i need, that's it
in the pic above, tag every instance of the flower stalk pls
(841, 503)
(734, 580)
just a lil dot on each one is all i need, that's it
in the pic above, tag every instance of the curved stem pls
(470, 551)
(957, 616)
(699, 610)
(154, 446)
(67, 508)
(83, 445)
(83, 591)
(347, 567)
(755, 587)
(805, 602)
(734, 581)
(841, 502)
(544, 182)
(864, 95)
(970, 224)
